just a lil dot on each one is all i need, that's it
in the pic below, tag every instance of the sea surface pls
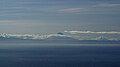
(38, 55)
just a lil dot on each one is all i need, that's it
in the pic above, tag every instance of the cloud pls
(91, 32)
(60, 37)
(96, 7)
(106, 5)
(31, 36)
(73, 10)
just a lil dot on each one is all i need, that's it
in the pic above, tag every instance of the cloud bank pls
(91, 32)
(30, 36)
(61, 37)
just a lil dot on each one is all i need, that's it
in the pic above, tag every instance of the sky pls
(52, 16)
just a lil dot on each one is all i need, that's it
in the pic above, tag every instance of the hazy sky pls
(50, 16)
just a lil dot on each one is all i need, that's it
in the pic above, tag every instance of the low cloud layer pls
(62, 36)
(91, 32)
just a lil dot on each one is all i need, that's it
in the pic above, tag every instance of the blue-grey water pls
(58, 56)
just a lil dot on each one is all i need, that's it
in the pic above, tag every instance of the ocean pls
(39, 55)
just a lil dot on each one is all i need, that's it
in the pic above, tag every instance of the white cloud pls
(73, 10)
(31, 36)
(91, 32)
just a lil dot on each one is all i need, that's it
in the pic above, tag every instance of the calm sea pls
(58, 56)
